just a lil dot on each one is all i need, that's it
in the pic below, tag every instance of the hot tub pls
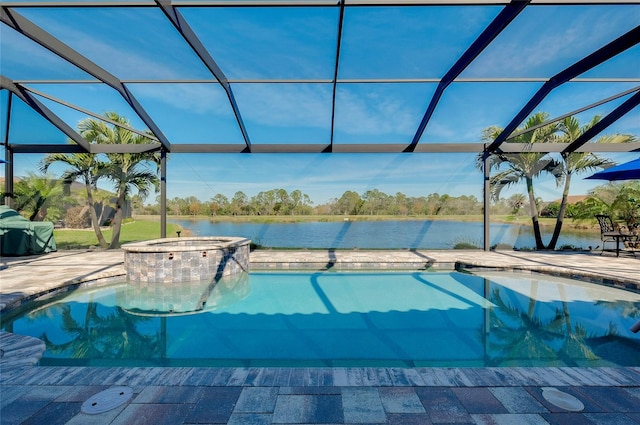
(186, 259)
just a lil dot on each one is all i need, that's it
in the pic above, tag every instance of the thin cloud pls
(285, 105)
(373, 114)
(268, 43)
(555, 45)
(126, 54)
(201, 99)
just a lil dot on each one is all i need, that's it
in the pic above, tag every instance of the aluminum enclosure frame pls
(19, 87)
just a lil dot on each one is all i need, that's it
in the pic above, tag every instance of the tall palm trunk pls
(117, 219)
(94, 217)
(563, 208)
(534, 214)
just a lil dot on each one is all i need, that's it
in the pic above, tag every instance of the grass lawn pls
(138, 230)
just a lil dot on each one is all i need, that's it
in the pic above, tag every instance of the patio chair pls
(632, 244)
(607, 230)
(632, 241)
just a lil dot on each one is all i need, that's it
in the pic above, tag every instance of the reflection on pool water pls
(346, 319)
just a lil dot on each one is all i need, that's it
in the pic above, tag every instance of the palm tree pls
(36, 194)
(87, 169)
(524, 166)
(579, 162)
(528, 165)
(126, 170)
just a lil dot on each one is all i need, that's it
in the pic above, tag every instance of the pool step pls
(18, 351)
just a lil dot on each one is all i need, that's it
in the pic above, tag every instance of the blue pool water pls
(343, 319)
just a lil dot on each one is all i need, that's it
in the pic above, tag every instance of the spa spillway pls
(187, 259)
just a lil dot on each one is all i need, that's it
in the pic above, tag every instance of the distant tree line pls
(281, 202)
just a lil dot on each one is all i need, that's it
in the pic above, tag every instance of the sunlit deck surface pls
(255, 395)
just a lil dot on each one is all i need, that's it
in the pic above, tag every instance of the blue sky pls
(266, 43)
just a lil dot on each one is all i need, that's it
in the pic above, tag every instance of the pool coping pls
(363, 264)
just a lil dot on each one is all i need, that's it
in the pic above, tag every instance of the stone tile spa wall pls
(187, 259)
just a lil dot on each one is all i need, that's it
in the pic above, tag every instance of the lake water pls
(393, 234)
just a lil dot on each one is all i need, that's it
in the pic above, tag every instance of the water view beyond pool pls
(392, 234)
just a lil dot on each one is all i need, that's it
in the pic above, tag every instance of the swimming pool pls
(334, 319)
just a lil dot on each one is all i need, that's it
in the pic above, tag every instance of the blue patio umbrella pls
(627, 171)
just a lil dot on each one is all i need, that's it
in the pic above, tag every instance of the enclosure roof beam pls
(605, 122)
(37, 34)
(95, 149)
(93, 114)
(396, 148)
(293, 3)
(322, 148)
(335, 74)
(617, 46)
(496, 26)
(40, 108)
(574, 112)
(185, 30)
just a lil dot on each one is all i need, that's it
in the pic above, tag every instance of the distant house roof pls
(573, 199)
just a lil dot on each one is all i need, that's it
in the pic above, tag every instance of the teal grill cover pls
(19, 236)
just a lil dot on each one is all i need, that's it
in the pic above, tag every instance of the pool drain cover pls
(562, 400)
(106, 400)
